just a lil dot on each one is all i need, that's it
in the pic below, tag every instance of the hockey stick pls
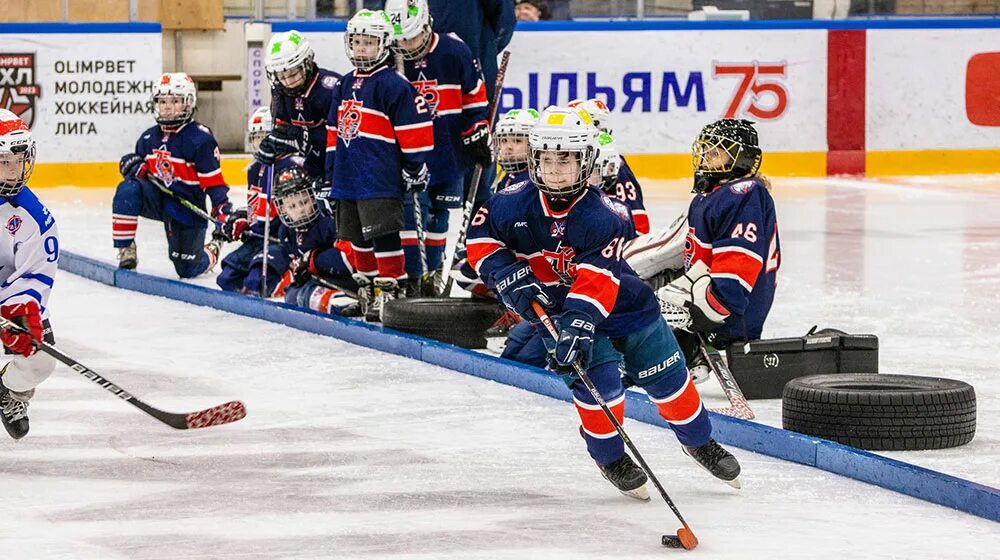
(418, 213)
(477, 176)
(739, 407)
(183, 202)
(220, 414)
(685, 536)
(266, 191)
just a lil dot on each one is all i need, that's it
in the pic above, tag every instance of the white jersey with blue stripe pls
(29, 253)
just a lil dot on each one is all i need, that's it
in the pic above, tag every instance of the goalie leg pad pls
(660, 251)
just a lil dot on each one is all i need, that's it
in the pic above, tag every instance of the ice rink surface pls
(351, 453)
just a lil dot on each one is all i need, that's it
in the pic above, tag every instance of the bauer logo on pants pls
(18, 89)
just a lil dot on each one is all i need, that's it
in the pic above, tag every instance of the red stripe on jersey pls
(479, 249)
(374, 123)
(331, 138)
(542, 269)
(738, 261)
(415, 137)
(449, 99)
(682, 406)
(696, 251)
(641, 221)
(595, 422)
(257, 205)
(476, 97)
(598, 287)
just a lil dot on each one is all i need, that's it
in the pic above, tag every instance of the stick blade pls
(221, 414)
(687, 538)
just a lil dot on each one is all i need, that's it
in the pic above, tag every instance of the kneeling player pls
(181, 154)
(555, 241)
(733, 251)
(27, 270)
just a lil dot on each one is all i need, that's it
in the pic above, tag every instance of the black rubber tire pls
(458, 321)
(881, 412)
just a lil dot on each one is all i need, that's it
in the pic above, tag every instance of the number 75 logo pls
(762, 83)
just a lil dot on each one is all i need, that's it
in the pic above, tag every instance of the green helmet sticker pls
(532, 112)
(276, 47)
(604, 139)
(295, 38)
(413, 10)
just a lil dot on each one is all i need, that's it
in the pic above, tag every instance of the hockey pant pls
(242, 269)
(435, 203)
(373, 226)
(652, 359)
(21, 374)
(185, 243)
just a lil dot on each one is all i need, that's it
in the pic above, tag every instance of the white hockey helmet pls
(290, 62)
(176, 85)
(562, 148)
(516, 123)
(368, 23)
(258, 126)
(607, 164)
(598, 111)
(17, 153)
(411, 19)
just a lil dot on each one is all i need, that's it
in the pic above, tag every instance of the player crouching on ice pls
(183, 155)
(379, 135)
(318, 268)
(556, 241)
(732, 251)
(28, 260)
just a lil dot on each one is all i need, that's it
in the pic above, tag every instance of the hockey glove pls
(575, 342)
(693, 292)
(27, 316)
(416, 181)
(222, 211)
(322, 188)
(236, 225)
(477, 143)
(131, 166)
(283, 140)
(303, 268)
(517, 287)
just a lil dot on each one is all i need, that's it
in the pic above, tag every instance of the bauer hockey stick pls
(739, 407)
(685, 536)
(220, 414)
(266, 192)
(418, 213)
(477, 176)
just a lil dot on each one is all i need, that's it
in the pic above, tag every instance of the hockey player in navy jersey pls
(28, 263)
(442, 69)
(183, 155)
(241, 268)
(556, 241)
(733, 253)
(625, 186)
(380, 135)
(320, 268)
(301, 93)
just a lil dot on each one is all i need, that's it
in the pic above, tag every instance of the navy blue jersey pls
(627, 190)
(378, 125)
(330, 258)
(505, 179)
(309, 111)
(451, 82)
(575, 254)
(186, 160)
(734, 231)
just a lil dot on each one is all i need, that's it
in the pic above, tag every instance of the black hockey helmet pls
(735, 138)
(295, 198)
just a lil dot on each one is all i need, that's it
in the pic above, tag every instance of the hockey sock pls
(365, 258)
(678, 402)
(125, 210)
(603, 442)
(437, 229)
(389, 256)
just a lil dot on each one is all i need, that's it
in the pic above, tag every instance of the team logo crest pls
(18, 89)
(513, 188)
(557, 229)
(163, 166)
(300, 104)
(14, 224)
(615, 206)
(741, 187)
(428, 89)
(561, 262)
(349, 120)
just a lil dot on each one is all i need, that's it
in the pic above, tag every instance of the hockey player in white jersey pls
(28, 258)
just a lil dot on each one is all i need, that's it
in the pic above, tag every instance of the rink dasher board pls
(899, 476)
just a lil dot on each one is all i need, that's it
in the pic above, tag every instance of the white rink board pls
(916, 89)
(671, 76)
(93, 90)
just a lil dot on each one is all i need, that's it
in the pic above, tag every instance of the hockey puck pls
(671, 541)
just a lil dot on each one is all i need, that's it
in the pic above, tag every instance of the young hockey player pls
(320, 267)
(555, 241)
(442, 69)
(625, 186)
(733, 252)
(27, 270)
(380, 135)
(301, 93)
(182, 155)
(247, 224)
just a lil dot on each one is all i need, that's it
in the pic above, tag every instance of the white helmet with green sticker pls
(290, 62)
(369, 34)
(510, 139)
(607, 164)
(411, 22)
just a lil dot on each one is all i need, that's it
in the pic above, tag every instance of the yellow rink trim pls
(650, 166)
(931, 162)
